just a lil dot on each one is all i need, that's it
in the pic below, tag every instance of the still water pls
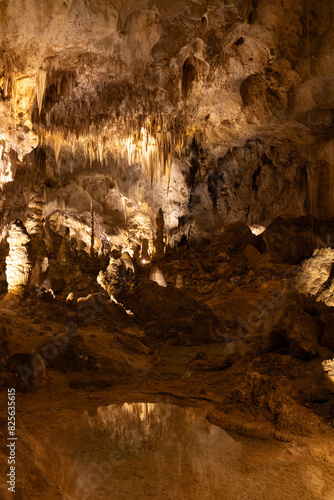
(161, 451)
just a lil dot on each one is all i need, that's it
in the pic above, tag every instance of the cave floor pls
(98, 354)
(41, 470)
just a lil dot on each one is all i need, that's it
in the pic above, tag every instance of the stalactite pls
(91, 154)
(100, 149)
(14, 95)
(40, 88)
(146, 136)
(57, 145)
(125, 208)
(168, 170)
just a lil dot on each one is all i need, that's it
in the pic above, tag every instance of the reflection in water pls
(161, 451)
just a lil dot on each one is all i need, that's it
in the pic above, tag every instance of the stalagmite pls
(179, 281)
(144, 249)
(35, 224)
(159, 243)
(92, 230)
(17, 262)
(151, 244)
(157, 276)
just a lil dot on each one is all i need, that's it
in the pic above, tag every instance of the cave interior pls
(167, 247)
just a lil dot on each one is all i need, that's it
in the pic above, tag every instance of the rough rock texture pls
(219, 115)
(316, 276)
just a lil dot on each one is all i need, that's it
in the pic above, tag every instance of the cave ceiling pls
(213, 110)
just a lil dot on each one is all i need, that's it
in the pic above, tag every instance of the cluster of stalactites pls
(154, 150)
(117, 119)
(10, 68)
(64, 82)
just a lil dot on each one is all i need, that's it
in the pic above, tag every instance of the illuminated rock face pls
(17, 262)
(317, 276)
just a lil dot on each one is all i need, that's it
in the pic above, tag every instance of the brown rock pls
(293, 329)
(236, 236)
(251, 254)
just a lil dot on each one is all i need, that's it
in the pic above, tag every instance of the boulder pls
(290, 240)
(292, 329)
(252, 255)
(170, 314)
(236, 236)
